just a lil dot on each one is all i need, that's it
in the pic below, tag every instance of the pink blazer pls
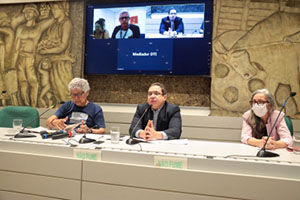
(280, 131)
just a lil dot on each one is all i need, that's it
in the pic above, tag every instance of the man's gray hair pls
(124, 12)
(80, 84)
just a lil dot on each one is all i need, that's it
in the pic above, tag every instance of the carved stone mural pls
(255, 45)
(36, 60)
(259, 48)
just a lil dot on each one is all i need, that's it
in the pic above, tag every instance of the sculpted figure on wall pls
(35, 58)
(27, 37)
(266, 56)
(6, 45)
(46, 92)
(56, 46)
(7, 68)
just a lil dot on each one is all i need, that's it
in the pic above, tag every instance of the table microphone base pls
(264, 153)
(24, 135)
(84, 139)
(132, 141)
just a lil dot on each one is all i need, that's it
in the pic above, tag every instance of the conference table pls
(46, 169)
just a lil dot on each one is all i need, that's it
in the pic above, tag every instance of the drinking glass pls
(17, 124)
(115, 134)
(296, 144)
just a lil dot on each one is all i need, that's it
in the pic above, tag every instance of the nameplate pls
(170, 162)
(87, 154)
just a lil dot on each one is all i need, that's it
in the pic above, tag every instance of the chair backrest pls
(289, 124)
(27, 113)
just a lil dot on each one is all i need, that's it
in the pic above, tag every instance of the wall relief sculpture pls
(36, 62)
(263, 55)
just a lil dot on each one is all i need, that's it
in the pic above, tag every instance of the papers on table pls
(36, 130)
(177, 142)
(72, 126)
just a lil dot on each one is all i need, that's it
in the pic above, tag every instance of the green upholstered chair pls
(289, 124)
(27, 113)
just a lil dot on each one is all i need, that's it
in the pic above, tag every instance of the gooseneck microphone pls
(21, 134)
(131, 140)
(84, 139)
(263, 152)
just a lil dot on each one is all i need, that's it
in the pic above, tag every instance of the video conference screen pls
(149, 38)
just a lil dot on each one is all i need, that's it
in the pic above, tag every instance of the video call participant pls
(171, 23)
(125, 30)
(162, 121)
(79, 110)
(258, 121)
(100, 32)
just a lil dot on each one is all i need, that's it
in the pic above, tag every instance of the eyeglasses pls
(154, 93)
(126, 18)
(172, 13)
(77, 94)
(258, 102)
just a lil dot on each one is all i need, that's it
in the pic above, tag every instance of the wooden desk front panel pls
(40, 176)
(143, 179)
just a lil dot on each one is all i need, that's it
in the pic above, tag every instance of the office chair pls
(27, 113)
(289, 124)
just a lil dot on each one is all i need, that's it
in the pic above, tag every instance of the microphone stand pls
(21, 134)
(263, 152)
(132, 140)
(84, 139)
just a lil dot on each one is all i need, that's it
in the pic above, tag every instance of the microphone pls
(21, 134)
(45, 134)
(131, 140)
(64, 134)
(263, 152)
(84, 139)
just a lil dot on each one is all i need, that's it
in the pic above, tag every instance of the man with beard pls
(125, 30)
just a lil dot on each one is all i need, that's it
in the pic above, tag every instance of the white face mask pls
(259, 109)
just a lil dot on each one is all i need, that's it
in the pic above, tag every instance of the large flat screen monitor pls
(161, 38)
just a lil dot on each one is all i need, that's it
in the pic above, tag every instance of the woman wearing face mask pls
(258, 121)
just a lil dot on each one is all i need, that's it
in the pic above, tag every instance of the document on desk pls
(72, 126)
(40, 128)
(13, 132)
(36, 130)
(178, 142)
(89, 135)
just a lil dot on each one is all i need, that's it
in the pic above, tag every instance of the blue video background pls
(145, 55)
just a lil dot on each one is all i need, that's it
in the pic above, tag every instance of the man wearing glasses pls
(125, 30)
(161, 120)
(171, 24)
(79, 110)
